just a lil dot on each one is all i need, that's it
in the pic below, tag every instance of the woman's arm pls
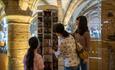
(39, 62)
(60, 50)
(87, 40)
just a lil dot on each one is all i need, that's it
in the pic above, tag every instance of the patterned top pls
(67, 50)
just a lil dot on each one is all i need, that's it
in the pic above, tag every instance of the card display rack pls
(46, 20)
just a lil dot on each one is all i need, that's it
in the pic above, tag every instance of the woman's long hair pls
(59, 28)
(33, 43)
(82, 27)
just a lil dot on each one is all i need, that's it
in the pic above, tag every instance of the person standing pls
(82, 35)
(66, 48)
(33, 60)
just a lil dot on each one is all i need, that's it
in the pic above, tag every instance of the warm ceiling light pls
(23, 4)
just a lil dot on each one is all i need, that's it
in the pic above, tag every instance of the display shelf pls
(45, 32)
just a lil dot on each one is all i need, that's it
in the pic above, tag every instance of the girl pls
(33, 60)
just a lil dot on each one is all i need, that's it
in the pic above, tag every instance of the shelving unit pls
(45, 33)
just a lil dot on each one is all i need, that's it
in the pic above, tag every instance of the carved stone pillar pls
(60, 11)
(18, 34)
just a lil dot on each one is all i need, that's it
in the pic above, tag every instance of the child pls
(33, 60)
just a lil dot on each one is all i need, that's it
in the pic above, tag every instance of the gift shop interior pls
(22, 19)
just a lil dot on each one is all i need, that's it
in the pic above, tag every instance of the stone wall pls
(108, 29)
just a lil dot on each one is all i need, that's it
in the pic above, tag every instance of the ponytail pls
(30, 59)
(33, 43)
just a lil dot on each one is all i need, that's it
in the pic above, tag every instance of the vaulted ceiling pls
(66, 8)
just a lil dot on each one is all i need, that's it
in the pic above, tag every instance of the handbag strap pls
(78, 45)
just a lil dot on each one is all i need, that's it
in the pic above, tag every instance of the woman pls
(33, 60)
(67, 48)
(82, 36)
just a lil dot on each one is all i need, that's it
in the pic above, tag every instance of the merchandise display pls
(46, 19)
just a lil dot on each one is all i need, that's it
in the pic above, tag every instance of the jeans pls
(82, 65)
(71, 68)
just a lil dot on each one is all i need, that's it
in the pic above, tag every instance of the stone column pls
(60, 11)
(18, 34)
